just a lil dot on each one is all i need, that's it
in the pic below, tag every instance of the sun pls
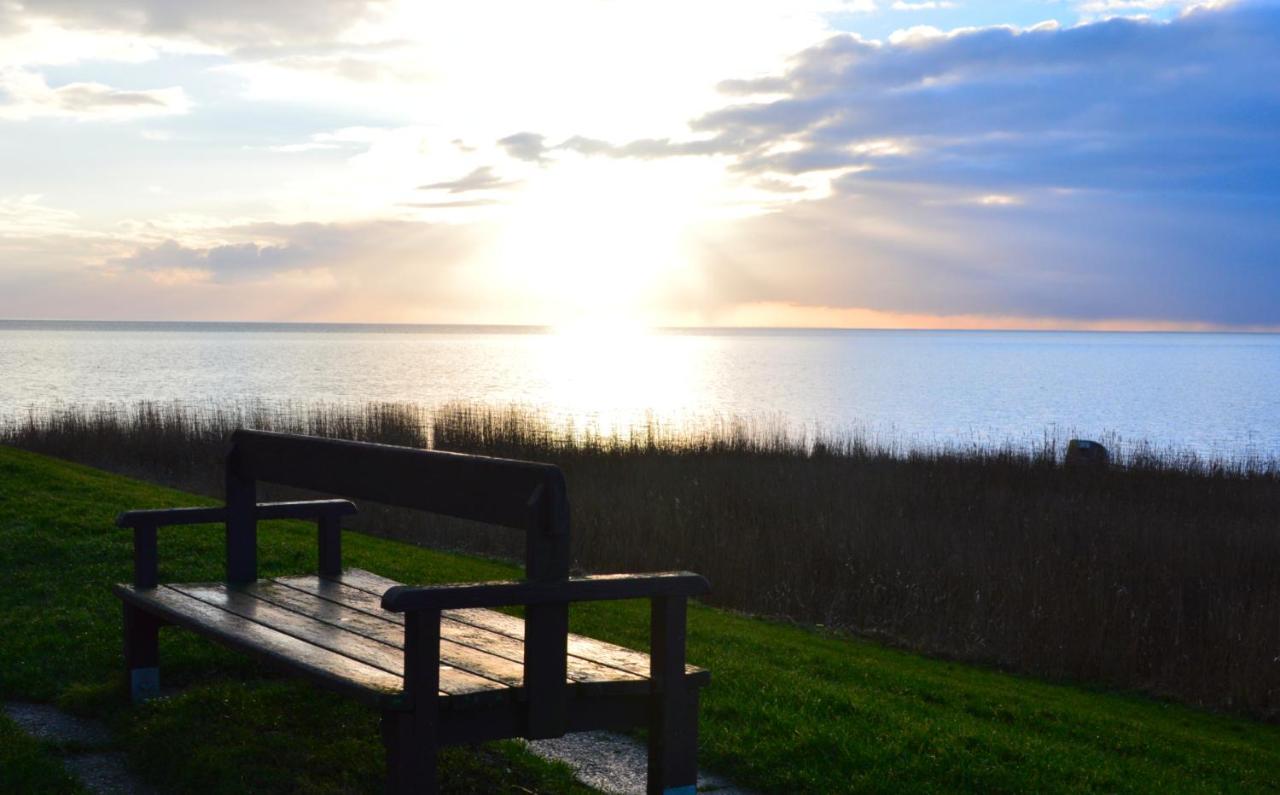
(596, 243)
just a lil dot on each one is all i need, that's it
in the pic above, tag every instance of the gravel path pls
(101, 771)
(614, 763)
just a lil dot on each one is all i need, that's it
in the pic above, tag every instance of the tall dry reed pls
(1161, 573)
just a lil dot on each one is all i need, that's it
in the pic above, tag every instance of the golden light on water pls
(639, 373)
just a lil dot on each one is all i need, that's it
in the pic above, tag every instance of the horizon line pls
(553, 329)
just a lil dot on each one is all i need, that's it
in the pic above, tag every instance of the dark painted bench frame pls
(516, 494)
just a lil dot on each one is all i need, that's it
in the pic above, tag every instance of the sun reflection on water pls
(639, 374)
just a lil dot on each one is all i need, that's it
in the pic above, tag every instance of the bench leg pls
(141, 653)
(411, 753)
(673, 744)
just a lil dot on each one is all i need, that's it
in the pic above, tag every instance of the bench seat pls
(335, 630)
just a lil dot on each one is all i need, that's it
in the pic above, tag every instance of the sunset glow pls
(853, 164)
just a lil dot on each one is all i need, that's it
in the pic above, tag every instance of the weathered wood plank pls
(518, 494)
(504, 593)
(611, 655)
(467, 657)
(328, 636)
(326, 666)
(467, 632)
(619, 658)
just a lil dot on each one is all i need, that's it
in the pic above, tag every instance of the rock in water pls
(1082, 452)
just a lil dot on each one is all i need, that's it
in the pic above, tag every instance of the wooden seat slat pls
(501, 635)
(361, 645)
(453, 681)
(618, 658)
(330, 668)
(469, 657)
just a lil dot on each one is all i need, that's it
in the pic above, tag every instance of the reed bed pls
(1160, 573)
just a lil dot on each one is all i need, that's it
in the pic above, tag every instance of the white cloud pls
(24, 216)
(924, 5)
(998, 200)
(1092, 10)
(382, 271)
(37, 43)
(27, 95)
(583, 68)
(222, 23)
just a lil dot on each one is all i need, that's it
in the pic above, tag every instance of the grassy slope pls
(789, 709)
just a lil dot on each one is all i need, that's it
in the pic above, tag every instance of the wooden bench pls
(443, 667)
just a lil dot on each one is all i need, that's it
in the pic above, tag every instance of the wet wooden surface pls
(334, 628)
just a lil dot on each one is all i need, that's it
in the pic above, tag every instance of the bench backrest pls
(518, 494)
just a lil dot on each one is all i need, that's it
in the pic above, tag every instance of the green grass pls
(790, 709)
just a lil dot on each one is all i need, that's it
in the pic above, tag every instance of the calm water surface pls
(1212, 393)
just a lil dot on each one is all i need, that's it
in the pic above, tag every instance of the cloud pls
(376, 270)
(23, 216)
(482, 178)
(525, 146)
(1116, 105)
(24, 95)
(1119, 169)
(533, 148)
(371, 271)
(1113, 7)
(924, 5)
(230, 262)
(1113, 105)
(454, 204)
(221, 22)
(268, 249)
(1072, 256)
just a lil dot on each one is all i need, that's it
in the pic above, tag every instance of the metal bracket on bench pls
(144, 683)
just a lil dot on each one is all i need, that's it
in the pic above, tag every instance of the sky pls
(1075, 164)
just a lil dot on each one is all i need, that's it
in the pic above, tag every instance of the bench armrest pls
(146, 557)
(546, 634)
(299, 509)
(402, 598)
